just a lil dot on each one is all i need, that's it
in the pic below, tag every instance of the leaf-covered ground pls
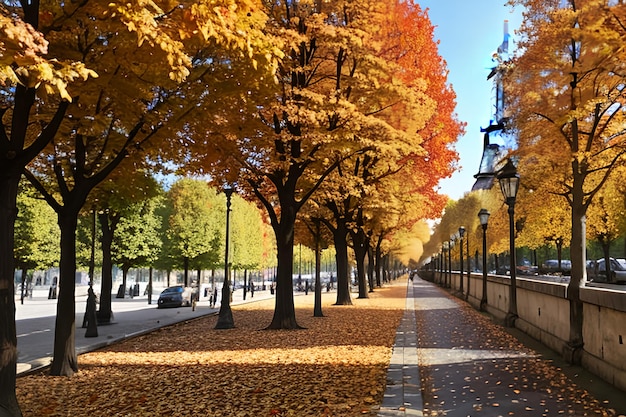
(476, 367)
(335, 367)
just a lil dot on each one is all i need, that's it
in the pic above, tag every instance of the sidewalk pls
(403, 393)
(469, 366)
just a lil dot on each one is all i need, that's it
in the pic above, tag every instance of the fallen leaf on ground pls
(336, 366)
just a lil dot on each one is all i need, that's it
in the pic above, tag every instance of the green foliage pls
(36, 233)
(84, 241)
(247, 235)
(196, 223)
(136, 242)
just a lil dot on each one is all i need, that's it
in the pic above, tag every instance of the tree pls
(546, 218)
(606, 219)
(36, 234)
(195, 226)
(407, 39)
(123, 41)
(110, 199)
(408, 184)
(359, 187)
(320, 238)
(566, 102)
(246, 238)
(136, 241)
(23, 73)
(332, 88)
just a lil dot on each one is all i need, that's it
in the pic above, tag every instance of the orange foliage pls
(408, 40)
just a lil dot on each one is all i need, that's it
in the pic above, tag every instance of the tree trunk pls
(385, 268)
(106, 286)
(378, 260)
(245, 283)
(340, 235)
(559, 254)
(12, 164)
(64, 359)
(284, 310)
(317, 308)
(23, 289)
(360, 251)
(572, 351)
(198, 283)
(8, 337)
(186, 267)
(149, 289)
(370, 267)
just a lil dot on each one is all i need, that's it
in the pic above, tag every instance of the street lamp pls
(469, 267)
(225, 318)
(450, 246)
(483, 216)
(300, 267)
(509, 184)
(445, 249)
(461, 233)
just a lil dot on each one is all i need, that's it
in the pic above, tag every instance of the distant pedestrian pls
(52, 293)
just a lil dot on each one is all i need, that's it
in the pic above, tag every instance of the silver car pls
(597, 272)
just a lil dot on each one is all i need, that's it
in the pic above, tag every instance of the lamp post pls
(461, 233)
(450, 246)
(483, 216)
(444, 248)
(509, 184)
(225, 318)
(300, 267)
(90, 320)
(469, 267)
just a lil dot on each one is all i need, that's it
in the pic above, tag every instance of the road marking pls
(35, 332)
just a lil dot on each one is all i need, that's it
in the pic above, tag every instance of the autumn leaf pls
(327, 369)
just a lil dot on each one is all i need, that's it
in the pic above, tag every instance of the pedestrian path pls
(403, 393)
(451, 360)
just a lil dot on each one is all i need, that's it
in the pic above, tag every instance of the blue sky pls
(469, 33)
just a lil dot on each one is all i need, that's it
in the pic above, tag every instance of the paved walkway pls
(403, 395)
(469, 366)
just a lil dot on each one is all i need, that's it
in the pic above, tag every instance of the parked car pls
(597, 272)
(525, 267)
(551, 266)
(176, 296)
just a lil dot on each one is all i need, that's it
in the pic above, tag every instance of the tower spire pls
(491, 151)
